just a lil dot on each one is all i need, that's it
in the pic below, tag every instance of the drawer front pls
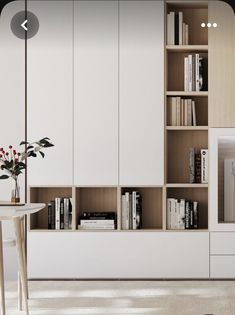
(53, 255)
(222, 243)
(222, 267)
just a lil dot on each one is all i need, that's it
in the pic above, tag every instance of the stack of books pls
(131, 211)
(97, 221)
(60, 214)
(182, 214)
(177, 30)
(182, 112)
(195, 73)
(198, 166)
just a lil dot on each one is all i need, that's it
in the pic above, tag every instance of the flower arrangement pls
(13, 163)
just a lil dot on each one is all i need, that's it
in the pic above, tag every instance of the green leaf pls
(4, 177)
(42, 154)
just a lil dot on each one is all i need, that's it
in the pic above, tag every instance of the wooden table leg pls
(22, 270)
(2, 289)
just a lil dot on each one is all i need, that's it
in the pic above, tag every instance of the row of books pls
(182, 214)
(98, 221)
(177, 30)
(131, 211)
(182, 112)
(60, 214)
(195, 73)
(198, 166)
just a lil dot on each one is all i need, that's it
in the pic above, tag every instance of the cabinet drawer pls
(222, 267)
(118, 255)
(222, 243)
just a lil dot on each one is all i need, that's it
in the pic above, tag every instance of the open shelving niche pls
(178, 139)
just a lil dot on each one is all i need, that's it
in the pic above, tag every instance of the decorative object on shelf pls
(13, 163)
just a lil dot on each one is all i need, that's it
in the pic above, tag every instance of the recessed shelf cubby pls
(193, 194)
(194, 13)
(178, 146)
(39, 220)
(175, 69)
(151, 205)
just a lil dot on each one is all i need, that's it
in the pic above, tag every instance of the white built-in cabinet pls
(50, 91)
(141, 92)
(96, 92)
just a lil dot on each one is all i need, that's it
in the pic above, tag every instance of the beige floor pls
(126, 297)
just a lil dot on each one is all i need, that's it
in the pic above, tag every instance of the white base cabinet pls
(114, 255)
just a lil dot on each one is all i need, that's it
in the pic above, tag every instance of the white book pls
(181, 214)
(204, 166)
(57, 213)
(189, 112)
(96, 222)
(180, 28)
(185, 112)
(194, 114)
(127, 218)
(168, 39)
(190, 73)
(170, 209)
(197, 72)
(134, 210)
(178, 111)
(229, 190)
(172, 28)
(66, 213)
(186, 74)
(184, 31)
(123, 212)
(186, 34)
(100, 227)
(174, 111)
(175, 215)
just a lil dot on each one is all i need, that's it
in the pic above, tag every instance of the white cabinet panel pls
(141, 92)
(118, 255)
(50, 91)
(222, 243)
(96, 93)
(222, 267)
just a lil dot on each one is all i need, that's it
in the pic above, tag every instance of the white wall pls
(12, 84)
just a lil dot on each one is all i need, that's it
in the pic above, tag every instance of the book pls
(66, 213)
(187, 215)
(194, 114)
(186, 74)
(191, 165)
(138, 211)
(180, 20)
(176, 28)
(49, 209)
(204, 166)
(181, 219)
(62, 214)
(57, 213)
(134, 226)
(197, 75)
(197, 167)
(195, 214)
(190, 73)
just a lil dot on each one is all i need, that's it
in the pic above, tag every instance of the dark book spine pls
(195, 215)
(138, 211)
(187, 215)
(62, 214)
(49, 207)
(53, 215)
(176, 28)
(191, 223)
(198, 167)
(205, 74)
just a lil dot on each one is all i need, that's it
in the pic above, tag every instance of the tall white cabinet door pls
(50, 91)
(96, 93)
(141, 92)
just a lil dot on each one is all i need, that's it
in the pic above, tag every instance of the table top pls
(10, 211)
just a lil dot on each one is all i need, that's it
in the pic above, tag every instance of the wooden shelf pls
(185, 185)
(183, 93)
(187, 48)
(187, 128)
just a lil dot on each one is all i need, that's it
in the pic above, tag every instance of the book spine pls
(189, 117)
(197, 167)
(178, 111)
(191, 165)
(134, 210)
(187, 214)
(180, 28)
(62, 214)
(49, 207)
(186, 74)
(190, 71)
(204, 166)
(182, 214)
(66, 213)
(191, 224)
(123, 212)
(186, 34)
(168, 30)
(197, 72)
(57, 213)
(176, 28)
(138, 211)
(195, 215)
(127, 218)
(194, 113)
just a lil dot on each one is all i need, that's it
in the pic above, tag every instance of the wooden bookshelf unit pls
(179, 139)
